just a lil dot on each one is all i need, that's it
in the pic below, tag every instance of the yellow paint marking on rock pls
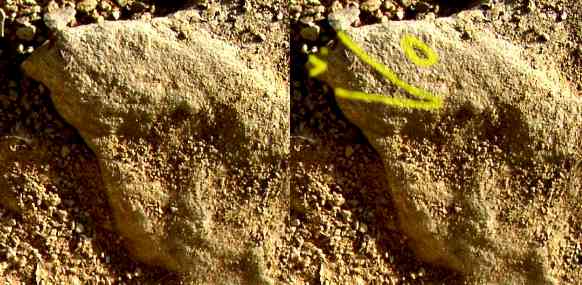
(319, 66)
(408, 43)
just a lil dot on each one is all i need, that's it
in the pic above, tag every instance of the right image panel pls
(435, 142)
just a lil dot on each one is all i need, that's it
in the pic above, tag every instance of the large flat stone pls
(484, 185)
(191, 139)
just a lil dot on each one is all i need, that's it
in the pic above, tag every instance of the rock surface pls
(470, 180)
(191, 140)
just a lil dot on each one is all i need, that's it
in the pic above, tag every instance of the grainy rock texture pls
(489, 184)
(191, 140)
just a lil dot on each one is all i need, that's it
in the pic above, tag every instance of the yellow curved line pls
(432, 101)
(408, 43)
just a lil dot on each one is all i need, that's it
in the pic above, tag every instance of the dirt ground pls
(60, 230)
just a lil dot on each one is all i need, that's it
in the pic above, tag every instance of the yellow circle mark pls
(411, 44)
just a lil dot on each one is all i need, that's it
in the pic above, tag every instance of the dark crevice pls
(164, 8)
(450, 7)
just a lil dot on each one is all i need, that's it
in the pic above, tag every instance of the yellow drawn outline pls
(428, 100)
(408, 43)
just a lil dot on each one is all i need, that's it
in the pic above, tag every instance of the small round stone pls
(87, 6)
(310, 33)
(26, 32)
(371, 5)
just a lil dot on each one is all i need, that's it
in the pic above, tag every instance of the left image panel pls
(143, 142)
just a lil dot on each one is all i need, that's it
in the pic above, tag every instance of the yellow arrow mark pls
(319, 66)
(408, 43)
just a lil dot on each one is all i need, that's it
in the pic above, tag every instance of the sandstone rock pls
(191, 141)
(484, 185)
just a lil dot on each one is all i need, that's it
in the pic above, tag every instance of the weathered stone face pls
(192, 142)
(465, 177)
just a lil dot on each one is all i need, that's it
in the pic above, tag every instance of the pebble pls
(338, 200)
(87, 6)
(407, 3)
(349, 151)
(60, 18)
(63, 215)
(363, 228)
(344, 18)
(295, 222)
(65, 151)
(79, 228)
(121, 3)
(389, 5)
(26, 32)
(105, 6)
(116, 14)
(347, 215)
(371, 5)
(336, 6)
(311, 32)
(400, 13)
